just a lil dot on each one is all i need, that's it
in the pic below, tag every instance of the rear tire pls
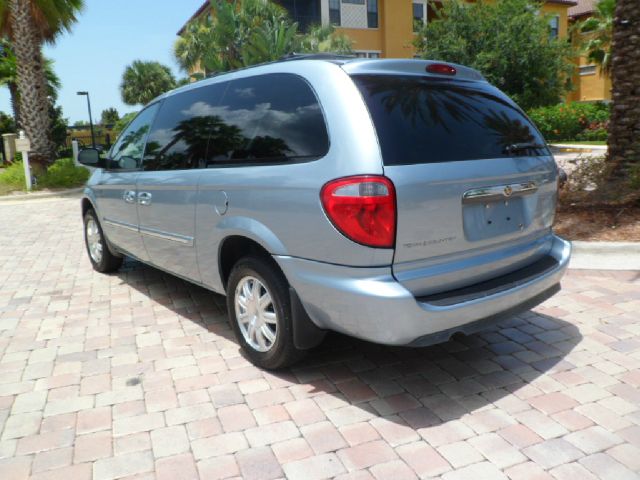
(100, 256)
(260, 313)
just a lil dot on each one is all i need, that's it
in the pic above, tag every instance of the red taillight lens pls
(363, 208)
(441, 68)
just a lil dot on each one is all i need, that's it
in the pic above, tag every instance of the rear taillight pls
(363, 208)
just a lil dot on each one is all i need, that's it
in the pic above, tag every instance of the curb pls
(38, 196)
(562, 148)
(605, 256)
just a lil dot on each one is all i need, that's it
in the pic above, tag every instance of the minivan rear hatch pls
(475, 181)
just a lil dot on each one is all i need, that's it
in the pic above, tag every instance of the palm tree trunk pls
(15, 103)
(624, 129)
(33, 101)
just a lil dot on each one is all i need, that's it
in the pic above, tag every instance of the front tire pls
(100, 256)
(260, 313)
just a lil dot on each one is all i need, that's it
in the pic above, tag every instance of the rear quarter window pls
(425, 120)
(272, 118)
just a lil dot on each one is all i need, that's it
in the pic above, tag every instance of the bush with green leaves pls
(508, 41)
(63, 173)
(572, 121)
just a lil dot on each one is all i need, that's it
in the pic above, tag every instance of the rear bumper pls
(369, 303)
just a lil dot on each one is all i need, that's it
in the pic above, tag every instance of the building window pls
(554, 25)
(334, 12)
(588, 70)
(372, 13)
(419, 16)
(367, 53)
(355, 2)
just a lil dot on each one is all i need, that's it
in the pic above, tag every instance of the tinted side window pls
(268, 119)
(425, 120)
(180, 133)
(127, 152)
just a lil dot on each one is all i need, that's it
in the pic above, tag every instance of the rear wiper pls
(517, 147)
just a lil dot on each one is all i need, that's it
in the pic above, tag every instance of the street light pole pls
(93, 137)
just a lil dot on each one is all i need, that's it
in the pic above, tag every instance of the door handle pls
(129, 196)
(144, 198)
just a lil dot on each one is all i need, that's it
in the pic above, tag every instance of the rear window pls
(425, 120)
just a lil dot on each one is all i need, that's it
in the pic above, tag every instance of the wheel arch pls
(87, 204)
(233, 248)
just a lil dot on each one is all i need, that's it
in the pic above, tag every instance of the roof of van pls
(356, 65)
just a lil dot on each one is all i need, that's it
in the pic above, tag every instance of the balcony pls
(305, 12)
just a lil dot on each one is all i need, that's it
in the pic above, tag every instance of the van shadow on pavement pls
(416, 387)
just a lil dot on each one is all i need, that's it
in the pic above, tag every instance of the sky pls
(109, 35)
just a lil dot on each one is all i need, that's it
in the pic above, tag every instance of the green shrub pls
(570, 121)
(63, 173)
(595, 131)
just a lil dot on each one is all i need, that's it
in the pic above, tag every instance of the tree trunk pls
(624, 129)
(15, 103)
(33, 101)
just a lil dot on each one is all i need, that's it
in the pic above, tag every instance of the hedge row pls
(573, 121)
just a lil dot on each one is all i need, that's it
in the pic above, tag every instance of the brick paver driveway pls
(137, 374)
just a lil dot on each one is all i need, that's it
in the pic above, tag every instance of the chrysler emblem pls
(507, 191)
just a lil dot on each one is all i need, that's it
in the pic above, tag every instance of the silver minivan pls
(397, 201)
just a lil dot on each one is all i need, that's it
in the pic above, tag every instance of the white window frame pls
(555, 19)
(425, 11)
(368, 53)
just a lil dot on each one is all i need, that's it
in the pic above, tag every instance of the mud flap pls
(306, 334)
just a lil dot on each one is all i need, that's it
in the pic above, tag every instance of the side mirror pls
(90, 157)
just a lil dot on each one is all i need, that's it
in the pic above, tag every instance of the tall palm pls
(144, 81)
(9, 77)
(28, 24)
(624, 127)
(598, 30)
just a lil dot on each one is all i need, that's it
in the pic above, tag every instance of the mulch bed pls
(599, 223)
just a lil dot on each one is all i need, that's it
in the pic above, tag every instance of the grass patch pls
(63, 173)
(7, 189)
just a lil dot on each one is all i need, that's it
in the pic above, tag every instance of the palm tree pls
(144, 81)
(195, 43)
(325, 39)
(28, 24)
(9, 77)
(238, 34)
(624, 127)
(598, 29)
(270, 42)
